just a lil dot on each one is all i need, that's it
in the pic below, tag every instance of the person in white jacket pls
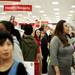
(17, 53)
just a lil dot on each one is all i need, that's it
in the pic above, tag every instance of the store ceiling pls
(51, 10)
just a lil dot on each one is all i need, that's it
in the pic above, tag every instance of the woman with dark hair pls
(60, 51)
(37, 36)
(8, 66)
(9, 27)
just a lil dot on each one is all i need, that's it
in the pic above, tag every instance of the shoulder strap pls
(13, 68)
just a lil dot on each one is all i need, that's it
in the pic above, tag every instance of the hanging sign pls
(10, 0)
(17, 7)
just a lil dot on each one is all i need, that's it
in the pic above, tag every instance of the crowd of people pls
(38, 46)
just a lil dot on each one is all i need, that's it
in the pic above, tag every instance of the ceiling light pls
(17, 18)
(41, 11)
(1, 6)
(73, 6)
(71, 11)
(57, 13)
(30, 13)
(70, 15)
(3, 13)
(44, 15)
(24, 17)
(15, 3)
(55, 3)
(67, 20)
(34, 16)
(19, 15)
(57, 16)
(37, 6)
(56, 9)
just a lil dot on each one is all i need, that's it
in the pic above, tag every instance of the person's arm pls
(68, 47)
(17, 53)
(21, 70)
(54, 47)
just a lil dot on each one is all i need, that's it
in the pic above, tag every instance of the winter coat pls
(29, 48)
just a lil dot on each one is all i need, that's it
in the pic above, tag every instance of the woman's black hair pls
(4, 36)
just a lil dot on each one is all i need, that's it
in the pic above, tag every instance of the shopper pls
(28, 45)
(8, 26)
(60, 51)
(8, 66)
(44, 48)
(37, 35)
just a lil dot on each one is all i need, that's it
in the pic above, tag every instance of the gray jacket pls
(60, 55)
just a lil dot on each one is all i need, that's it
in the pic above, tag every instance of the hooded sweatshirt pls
(29, 48)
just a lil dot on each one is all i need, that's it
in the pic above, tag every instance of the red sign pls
(9, 0)
(17, 7)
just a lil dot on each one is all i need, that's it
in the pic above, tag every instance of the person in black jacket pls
(44, 48)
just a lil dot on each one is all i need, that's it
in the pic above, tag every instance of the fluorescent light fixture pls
(3, 13)
(47, 18)
(67, 20)
(70, 15)
(37, 6)
(41, 11)
(24, 17)
(56, 9)
(57, 16)
(34, 16)
(44, 15)
(73, 6)
(57, 13)
(19, 15)
(15, 3)
(30, 13)
(17, 18)
(55, 3)
(71, 11)
(1, 6)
